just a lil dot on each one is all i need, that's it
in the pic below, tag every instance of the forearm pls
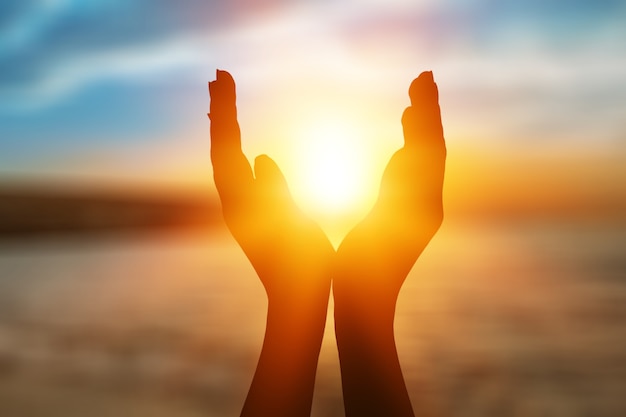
(372, 379)
(285, 375)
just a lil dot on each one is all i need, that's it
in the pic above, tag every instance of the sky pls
(114, 91)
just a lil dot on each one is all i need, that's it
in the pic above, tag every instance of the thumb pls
(270, 180)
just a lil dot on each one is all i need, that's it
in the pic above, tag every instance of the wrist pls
(298, 309)
(363, 304)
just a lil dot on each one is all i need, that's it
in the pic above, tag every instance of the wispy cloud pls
(508, 71)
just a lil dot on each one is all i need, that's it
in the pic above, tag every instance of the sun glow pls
(332, 166)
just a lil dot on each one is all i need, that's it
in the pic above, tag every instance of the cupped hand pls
(376, 256)
(290, 253)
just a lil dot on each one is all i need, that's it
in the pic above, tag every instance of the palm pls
(284, 246)
(376, 256)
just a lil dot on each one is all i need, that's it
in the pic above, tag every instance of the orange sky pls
(532, 94)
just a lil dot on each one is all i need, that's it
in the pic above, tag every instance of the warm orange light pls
(331, 166)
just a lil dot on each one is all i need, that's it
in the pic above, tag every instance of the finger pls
(223, 95)
(271, 182)
(233, 179)
(225, 134)
(231, 170)
(422, 121)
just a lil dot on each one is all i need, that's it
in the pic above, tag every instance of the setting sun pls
(331, 165)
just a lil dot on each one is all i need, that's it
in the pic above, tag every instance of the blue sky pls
(116, 90)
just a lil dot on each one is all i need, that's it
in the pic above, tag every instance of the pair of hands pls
(296, 262)
(283, 244)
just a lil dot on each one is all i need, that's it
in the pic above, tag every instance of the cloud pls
(53, 47)
(534, 65)
(64, 77)
(50, 49)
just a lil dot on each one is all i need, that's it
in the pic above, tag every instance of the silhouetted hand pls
(376, 256)
(290, 253)
(286, 248)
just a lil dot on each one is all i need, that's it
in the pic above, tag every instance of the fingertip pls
(267, 170)
(262, 159)
(409, 120)
(409, 116)
(222, 92)
(423, 88)
(224, 76)
(263, 166)
(258, 161)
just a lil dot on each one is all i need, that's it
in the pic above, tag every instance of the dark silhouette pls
(290, 253)
(295, 261)
(376, 256)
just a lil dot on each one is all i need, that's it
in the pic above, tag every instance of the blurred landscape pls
(122, 293)
(31, 212)
(131, 305)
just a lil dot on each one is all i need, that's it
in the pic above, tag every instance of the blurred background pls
(121, 292)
